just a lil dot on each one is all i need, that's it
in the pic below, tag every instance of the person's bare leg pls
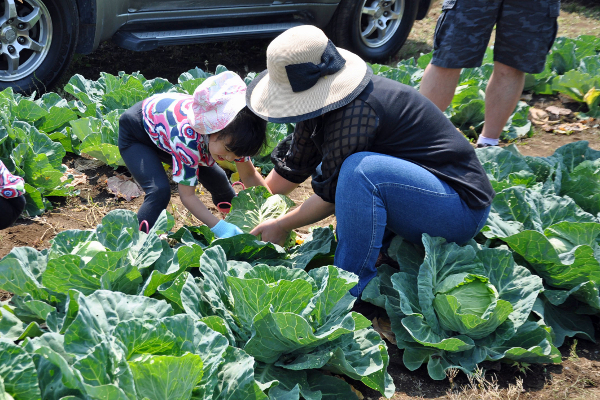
(438, 85)
(501, 97)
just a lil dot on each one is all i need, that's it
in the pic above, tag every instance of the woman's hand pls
(271, 231)
(312, 210)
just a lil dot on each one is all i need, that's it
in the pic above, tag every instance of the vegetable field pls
(92, 308)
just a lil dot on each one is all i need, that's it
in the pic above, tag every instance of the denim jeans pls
(376, 191)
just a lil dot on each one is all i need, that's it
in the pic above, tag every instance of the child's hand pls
(225, 229)
(249, 175)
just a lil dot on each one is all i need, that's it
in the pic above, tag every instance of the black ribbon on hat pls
(303, 76)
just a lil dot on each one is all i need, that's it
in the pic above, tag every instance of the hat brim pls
(217, 120)
(280, 104)
(216, 102)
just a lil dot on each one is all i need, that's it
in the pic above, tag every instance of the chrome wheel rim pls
(379, 20)
(25, 37)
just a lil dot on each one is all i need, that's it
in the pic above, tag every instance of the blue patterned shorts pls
(525, 32)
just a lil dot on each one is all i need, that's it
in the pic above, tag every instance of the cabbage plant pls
(116, 346)
(569, 177)
(455, 307)
(115, 313)
(567, 256)
(545, 211)
(293, 323)
(255, 205)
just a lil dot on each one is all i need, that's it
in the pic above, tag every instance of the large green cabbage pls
(454, 307)
(470, 305)
(292, 322)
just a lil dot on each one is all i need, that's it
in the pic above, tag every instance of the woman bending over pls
(382, 156)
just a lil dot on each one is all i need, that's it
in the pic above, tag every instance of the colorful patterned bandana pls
(10, 185)
(216, 102)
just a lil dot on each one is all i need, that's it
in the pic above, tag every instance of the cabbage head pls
(470, 305)
(456, 306)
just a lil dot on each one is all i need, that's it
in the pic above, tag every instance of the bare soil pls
(86, 210)
(578, 377)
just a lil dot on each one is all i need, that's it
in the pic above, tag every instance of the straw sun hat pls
(306, 76)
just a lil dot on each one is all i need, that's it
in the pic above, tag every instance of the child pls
(191, 132)
(12, 202)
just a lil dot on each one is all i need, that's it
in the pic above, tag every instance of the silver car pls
(39, 37)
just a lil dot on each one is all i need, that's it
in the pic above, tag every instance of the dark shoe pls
(482, 145)
(385, 259)
(368, 310)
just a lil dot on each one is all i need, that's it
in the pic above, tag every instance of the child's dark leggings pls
(11, 209)
(144, 160)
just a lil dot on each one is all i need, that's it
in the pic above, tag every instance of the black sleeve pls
(297, 156)
(348, 130)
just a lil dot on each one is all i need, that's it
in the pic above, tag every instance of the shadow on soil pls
(170, 62)
(575, 378)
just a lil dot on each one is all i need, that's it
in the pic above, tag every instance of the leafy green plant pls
(112, 92)
(566, 53)
(121, 346)
(538, 212)
(572, 68)
(580, 86)
(567, 256)
(30, 153)
(291, 322)
(541, 83)
(455, 306)
(117, 313)
(571, 172)
(99, 137)
(255, 205)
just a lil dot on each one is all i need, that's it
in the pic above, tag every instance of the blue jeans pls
(376, 191)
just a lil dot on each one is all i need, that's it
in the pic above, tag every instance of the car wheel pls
(37, 39)
(373, 29)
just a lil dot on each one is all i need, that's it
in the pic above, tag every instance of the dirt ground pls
(578, 377)
(86, 210)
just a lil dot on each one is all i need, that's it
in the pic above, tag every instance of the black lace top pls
(388, 118)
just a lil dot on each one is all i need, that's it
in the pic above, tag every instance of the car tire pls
(37, 39)
(373, 29)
